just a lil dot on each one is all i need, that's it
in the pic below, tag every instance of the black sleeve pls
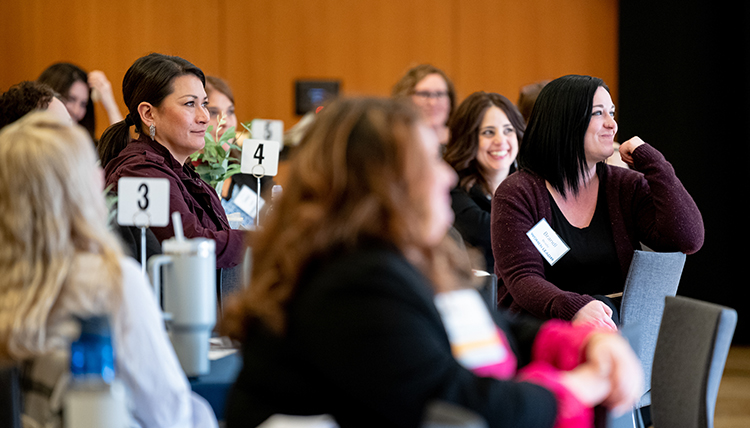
(521, 331)
(372, 330)
(473, 223)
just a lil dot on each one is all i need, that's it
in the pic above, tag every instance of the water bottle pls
(188, 295)
(95, 398)
(91, 356)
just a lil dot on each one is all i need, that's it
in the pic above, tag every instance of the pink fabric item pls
(571, 413)
(561, 344)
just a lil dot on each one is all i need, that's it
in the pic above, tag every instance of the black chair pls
(488, 290)
(10, 397)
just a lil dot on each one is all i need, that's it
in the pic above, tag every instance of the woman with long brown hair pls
(485, 132)
(341, 314)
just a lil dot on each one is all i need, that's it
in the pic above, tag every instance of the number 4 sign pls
(260, 157)
(143, 202)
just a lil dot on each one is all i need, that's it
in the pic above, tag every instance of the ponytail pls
(148, 80)
(113, 140)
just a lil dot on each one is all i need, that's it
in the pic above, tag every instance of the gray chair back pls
(652, 277)
(694, 341)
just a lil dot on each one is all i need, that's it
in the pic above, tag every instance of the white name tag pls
(547, 242)
(247, 200)
(473, 335)
(260, 157)
(143, 202)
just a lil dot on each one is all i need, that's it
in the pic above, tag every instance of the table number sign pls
(143, 202)
(260, 157)
(269, 130)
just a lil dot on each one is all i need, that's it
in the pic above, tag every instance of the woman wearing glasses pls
(432, 91)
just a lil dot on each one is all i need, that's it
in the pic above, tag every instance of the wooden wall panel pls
(367, 45)
(107, 36)
(505, 45)
(261, 47)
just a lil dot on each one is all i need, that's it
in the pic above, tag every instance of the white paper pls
(247, 199)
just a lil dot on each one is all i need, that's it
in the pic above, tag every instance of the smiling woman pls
(603, 213)
(485, 132)
(167, 105)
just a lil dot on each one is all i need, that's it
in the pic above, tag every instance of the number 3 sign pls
(143, 202)
(260, 157)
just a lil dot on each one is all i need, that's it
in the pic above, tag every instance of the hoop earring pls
(152, 131)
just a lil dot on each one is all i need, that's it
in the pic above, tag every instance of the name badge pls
(547, 242)
(471, 331)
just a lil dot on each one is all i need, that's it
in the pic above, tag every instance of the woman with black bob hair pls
(601, 212)
(167, 101)
(485, 132)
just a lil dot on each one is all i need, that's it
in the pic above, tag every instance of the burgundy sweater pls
(647, 206)
(198, 203)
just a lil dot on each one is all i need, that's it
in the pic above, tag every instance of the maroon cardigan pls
(650, 206)
(198, 203)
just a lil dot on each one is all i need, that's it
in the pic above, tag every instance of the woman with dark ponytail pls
(166, 101)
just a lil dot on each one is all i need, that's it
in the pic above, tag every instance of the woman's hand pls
(587, 384)
(101, 91)
(595, 313)
(613, 358)
(626, 149)
(611, 375)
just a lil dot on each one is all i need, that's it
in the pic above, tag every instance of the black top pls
(366, 345)
(471, 212)
(591, 266)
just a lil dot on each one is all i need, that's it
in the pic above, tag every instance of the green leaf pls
(247, 128)
(208, 136)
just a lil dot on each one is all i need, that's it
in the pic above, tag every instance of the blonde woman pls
(58, 260)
